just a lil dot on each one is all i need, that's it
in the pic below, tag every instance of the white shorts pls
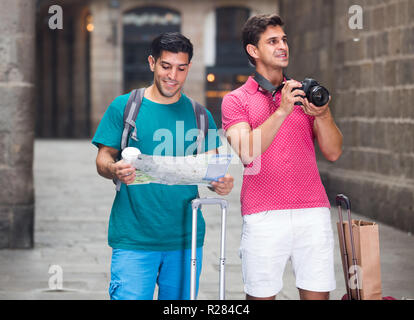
(271, 238)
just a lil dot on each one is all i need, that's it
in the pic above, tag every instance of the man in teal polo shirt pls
(150, 225)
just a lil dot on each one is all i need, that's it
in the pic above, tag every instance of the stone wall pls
(17, 53)
(370, 74)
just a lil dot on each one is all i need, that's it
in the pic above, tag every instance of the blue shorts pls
(134, 274)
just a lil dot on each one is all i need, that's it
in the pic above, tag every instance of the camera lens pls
(319, 96)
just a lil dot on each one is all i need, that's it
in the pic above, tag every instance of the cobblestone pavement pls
(72, 212)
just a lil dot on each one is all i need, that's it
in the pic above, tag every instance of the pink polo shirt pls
(286, 175)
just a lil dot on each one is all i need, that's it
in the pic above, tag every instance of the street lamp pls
(113, 10)
(89, 23)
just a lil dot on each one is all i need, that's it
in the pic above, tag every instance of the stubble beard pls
(165, 93)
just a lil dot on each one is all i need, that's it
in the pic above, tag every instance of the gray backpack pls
(131, 113)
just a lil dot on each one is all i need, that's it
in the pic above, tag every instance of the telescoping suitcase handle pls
(195, 204)
(340, 198)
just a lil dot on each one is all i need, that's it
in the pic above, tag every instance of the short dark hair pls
(255, 26)
(173, 42)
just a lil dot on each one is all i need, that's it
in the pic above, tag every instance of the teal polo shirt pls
(155, 217)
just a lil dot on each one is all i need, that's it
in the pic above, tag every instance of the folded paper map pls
(189, 170)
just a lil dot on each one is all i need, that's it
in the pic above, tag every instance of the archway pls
(63, 102)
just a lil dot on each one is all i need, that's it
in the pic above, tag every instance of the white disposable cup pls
(130, 154)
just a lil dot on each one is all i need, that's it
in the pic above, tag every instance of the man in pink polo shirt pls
(284, 204)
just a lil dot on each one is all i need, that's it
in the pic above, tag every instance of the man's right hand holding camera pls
(290, 95)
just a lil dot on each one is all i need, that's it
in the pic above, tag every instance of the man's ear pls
(252, 51)
(151, 62)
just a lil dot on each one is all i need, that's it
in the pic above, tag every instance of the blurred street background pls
(63, 62)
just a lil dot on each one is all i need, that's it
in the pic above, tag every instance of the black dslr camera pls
(314, 92)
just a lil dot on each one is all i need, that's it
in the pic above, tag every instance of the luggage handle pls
(195, 204)
(343, 198)
(340, 198)
(200, 201)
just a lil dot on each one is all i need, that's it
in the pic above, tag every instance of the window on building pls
(230, 67)
(229, 24)
(141, 26)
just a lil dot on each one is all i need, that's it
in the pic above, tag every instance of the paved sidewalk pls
(72, 212)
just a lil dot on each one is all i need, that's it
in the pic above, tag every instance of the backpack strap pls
(130, 116)
(202, 123)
